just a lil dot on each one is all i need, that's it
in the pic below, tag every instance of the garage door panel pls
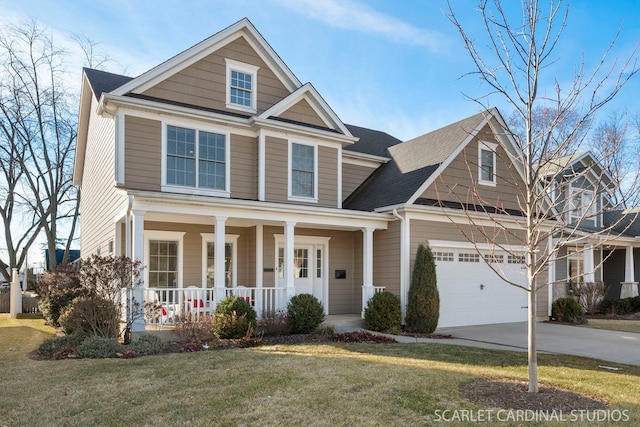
(471, 293)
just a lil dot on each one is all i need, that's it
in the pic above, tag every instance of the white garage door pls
(471, 293)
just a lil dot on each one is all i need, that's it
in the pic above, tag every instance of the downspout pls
(403, 257)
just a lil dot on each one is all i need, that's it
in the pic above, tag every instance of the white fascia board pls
(84, 113)
(363, 159)
(259, 211)
(447, 162)
(205, 48)
(319, 105)
(304, 131)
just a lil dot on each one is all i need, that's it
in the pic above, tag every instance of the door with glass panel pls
(307, 269)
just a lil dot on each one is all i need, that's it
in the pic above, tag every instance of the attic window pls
(241, 86)
(487, 163)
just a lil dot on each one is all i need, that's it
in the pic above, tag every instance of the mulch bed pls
(515, 395)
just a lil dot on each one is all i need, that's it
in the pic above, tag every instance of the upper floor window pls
(197, 159)
(303, 171)
(582, 205)
(241, 86)
(487, 163)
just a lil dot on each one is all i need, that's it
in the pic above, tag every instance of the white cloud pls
(356, 16)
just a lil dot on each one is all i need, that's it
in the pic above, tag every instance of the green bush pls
(274, 322)
(305, 313)
(98, 348)
(147, 344)
(54, 303)
(567, 310)
(620, 306)
(91, 315)
(53, 345)
(234, 318)
(423, 304)
(383, 313)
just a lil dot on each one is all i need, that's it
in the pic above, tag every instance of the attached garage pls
(471, 293)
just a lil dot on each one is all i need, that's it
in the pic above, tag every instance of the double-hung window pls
(487, 163)
(241, 86)
(197, 159)
(582, 205)
(303, 171)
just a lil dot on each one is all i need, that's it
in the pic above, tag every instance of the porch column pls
(588, 262)
(629, 286)
(367, 267)
(259, 268)
(288, 258)
(219, 258)
(15, 295)
(137, 253)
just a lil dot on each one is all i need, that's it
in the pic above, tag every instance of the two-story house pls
(226, 175)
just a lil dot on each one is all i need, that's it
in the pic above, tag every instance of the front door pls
(307, 269)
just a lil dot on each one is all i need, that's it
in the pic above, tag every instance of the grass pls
(615, 325)
(336, 384)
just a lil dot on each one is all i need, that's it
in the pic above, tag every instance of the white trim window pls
(209, 260)
(582, 205)
(487, 163)
(196, 161)
(241, 86)
(163, 256)
(303, 172)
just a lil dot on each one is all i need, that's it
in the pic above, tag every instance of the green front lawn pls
(328, 384)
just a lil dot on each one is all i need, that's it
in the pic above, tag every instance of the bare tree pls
(553, 130)
(38, 120)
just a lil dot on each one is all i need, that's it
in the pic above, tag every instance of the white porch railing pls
(164, 306)
(378, 289)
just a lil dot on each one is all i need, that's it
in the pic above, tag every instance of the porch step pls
(344, 322)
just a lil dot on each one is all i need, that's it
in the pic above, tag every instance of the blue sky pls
(385, 64)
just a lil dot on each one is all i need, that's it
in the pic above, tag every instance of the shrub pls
(325, 330)
(91, 315)
(423, 307)
(305, 313)
(274, 322)
(590, 295)
(147, 344)
(567, 310)
(98, 348)
(62, 276)
(55, 302)
(193, 329)
(53, 345)
(383, 313)
(234, 316)
(620, 306)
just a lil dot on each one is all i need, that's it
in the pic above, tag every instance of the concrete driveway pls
(610, 346)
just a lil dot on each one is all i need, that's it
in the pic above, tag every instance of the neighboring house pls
(222, 146)
(603, 246)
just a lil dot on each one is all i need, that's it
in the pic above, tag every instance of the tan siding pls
(386, 257)
(303, 112)
(461, 177)
(204, 83)
(143, 153)
(244, 167)
(276, 169)
(269, 255)
(356, 306)
(327, 177)
(352, 177)
(100, 202)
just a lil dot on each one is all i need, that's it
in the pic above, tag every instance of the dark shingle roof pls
(412, 163)
(624, 222)
(371, 141)
(102, 81)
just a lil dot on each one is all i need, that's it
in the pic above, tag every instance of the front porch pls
(268, 257)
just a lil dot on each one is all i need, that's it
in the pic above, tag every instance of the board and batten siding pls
(143, 153)
(100, 202)
(353, 176)
(303, 112)
(203, 83)
(460, 179)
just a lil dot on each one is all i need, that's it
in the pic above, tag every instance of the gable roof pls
(243, 27)
(371, 141)
(414, 164)
(103, 81)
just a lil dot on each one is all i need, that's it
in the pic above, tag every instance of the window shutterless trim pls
(248, 69)
(291, 196)
(492, 147)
